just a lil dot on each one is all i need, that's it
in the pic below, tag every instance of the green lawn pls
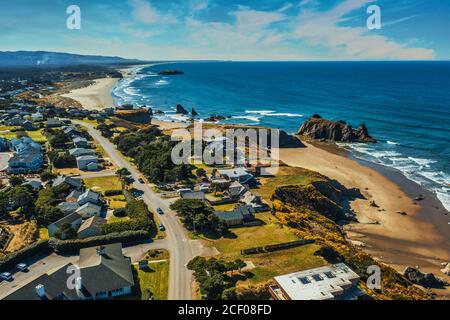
(154, 282)
(43, 233)
(113, 219)
(37, 136)
(116, 202)
(103, 183)
(286, 176)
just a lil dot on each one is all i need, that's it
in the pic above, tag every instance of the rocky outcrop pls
(446, 268)
(326, 197)
(170, 72)
(289, 141)
(215, 118)
(141, 116)
(318, 128)
(181, 110)
(427, 280)
(194, 113)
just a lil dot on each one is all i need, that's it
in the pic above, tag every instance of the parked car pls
(161, 227)
(160, 211)
(141, 180)
(22, 267)
(6, 276)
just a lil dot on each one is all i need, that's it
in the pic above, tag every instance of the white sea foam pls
(250, 118)
(272, 113)
(392, 143)
(422, 162)
(262, 112)
(161, 82)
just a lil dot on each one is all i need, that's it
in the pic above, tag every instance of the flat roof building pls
(324, 283)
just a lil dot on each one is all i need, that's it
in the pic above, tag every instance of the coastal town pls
(91, 189)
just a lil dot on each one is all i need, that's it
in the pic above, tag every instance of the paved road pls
(41, 265)
(181, 248)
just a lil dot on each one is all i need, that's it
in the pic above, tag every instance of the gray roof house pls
(237, 216)
(104, 273)
(54, 123)
(68, 207)
(91, 227)
(193, 195)
(80, 142)
(87, 163)
(88, 210)
(74, 219)
(89, 196)
(72, 182)
(78, 152)
(73, 196)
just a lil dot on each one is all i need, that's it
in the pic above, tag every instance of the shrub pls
(120, 212)
(110, 193)
(63, 246)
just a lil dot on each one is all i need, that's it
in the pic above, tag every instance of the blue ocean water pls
(405, 105)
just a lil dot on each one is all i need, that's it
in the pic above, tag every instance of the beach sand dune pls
(96, 96)
(419, 238)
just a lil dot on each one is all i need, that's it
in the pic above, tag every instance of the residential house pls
(89, 197)
(88, 163)
(80, 142)
(68, 207)
(29, 126)
(237, 216)
(104, 273)
(333, 282)
(88, 210)
(91, 227)
(72, 131)
(236, 190)
(73, 196)
(27, 161)
(71, 182)
(255, 201)
(74, 219)
(78, 152)
(237, 174)
(37, 116)
(53, 123)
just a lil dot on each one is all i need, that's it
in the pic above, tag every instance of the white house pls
(88, 210)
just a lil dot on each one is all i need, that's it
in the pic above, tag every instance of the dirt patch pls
(23, 235)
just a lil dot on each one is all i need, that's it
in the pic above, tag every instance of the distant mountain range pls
(22, 59)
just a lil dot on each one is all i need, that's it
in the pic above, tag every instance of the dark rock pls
(215, 118)
(170, 72)
(181, 110)
(318, 128)
(373, 204)
(194, 113)
(403, 213)
(158, 112)
(288, 141)
(427, 280)
(419, 198)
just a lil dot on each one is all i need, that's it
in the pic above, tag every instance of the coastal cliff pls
(141, 116)
(317, 128)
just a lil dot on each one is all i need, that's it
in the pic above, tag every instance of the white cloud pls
(324, 29)
(249, 20)
(144, 12)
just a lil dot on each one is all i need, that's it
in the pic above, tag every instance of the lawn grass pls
(116, 202)
(154, 282)
(7, 134)
(286, 176)
(37, 136)
(225, 207)
(102, 184)
(113, 219)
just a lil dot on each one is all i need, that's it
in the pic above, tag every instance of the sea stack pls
(170, 72)
(194, 113)
(181, 110)
(317, 128)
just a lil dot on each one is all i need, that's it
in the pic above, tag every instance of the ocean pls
(405, 105)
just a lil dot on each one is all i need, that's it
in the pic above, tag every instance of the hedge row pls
(110, 193)
(276, 247)
(10, 260)
(64, 246)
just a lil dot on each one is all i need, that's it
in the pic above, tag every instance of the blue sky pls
(231, 29)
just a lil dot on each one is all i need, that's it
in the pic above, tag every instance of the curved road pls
(181, 248)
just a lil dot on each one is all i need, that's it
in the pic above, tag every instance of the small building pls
(88, 210)
(88, 163)
(73, 196)
(74, 219)
(68, 207)
(255, 201)
(91, 227)
(89, 197)
(237, 174)
(29, 126)
(333, 282)
(34, 184)
(80, 142)
(236, 190)
(37, 116)
(71, 182)
(53, 123)
(237, 216)
(78, 152)
(193, 195)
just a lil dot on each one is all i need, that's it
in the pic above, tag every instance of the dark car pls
(161, 227)
(160, 211)
(141, 180)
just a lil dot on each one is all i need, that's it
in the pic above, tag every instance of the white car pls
(22, 267)
(6, 276)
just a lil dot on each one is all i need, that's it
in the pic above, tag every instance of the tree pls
(124, 174)
(200, 172)
(20, 197)
(239, 264)
(229, 294)
(47, 176)
(4, 201)
(16, 180)
(66, 232)
(47, 215)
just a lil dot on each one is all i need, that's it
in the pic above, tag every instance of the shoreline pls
(420, 238)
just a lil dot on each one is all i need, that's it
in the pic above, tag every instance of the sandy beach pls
(420, 238)
(96, 96)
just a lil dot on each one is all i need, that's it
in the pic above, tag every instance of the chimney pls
(40, 291)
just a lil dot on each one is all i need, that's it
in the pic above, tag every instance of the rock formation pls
(427, 280)
(141, 116)
(181, 110)
(170, 72)
(215, 118)
(194, 113)
(318, 128)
